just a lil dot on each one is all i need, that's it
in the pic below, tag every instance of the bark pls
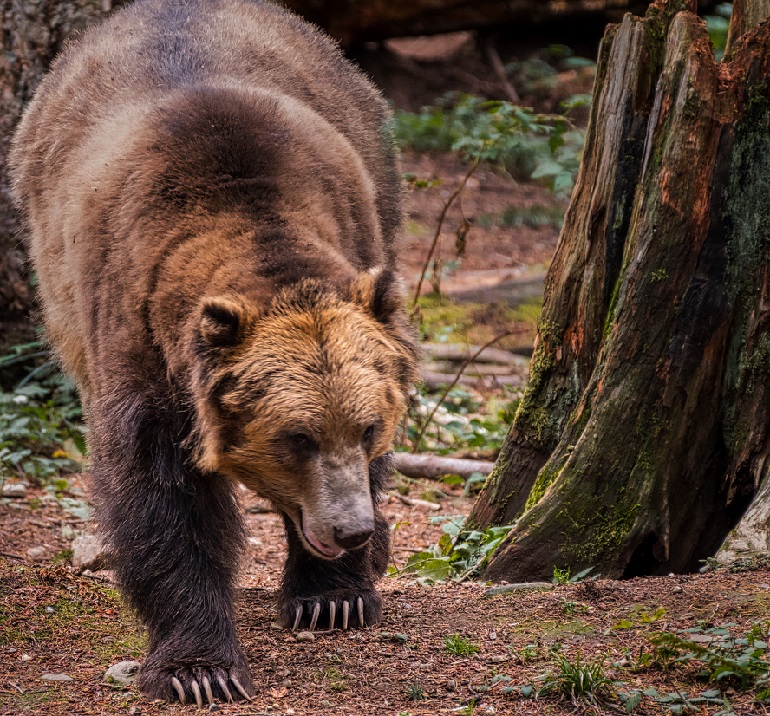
(643, 433)
(33, 32)
(354, 21)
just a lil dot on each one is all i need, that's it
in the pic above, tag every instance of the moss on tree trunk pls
(644, 433)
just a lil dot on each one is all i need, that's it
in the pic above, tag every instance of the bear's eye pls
(368, 437)
(302, 445)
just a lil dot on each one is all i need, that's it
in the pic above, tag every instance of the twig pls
(447, 204)
(10, 555)
(448, 389)
(493, 57)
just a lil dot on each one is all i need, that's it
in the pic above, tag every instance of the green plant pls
(453, 426)
(41, 430)
(531, 652)
(524, 143)
(572, 608)
(742, 661)
(565, 576)
(577, 679)
(415, 692)
(460, 646)
(459, 554)
(334, 678)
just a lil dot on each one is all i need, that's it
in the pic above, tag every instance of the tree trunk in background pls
(33, 32)
(644, 432)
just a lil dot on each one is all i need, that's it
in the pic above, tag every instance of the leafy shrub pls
(41, 430)
(459, 554)
(525, 144)
(740, 661)
(456, 425)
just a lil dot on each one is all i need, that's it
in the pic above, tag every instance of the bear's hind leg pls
(324, 594)
(175, 536)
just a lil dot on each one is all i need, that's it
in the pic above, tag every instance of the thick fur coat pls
(213, 203)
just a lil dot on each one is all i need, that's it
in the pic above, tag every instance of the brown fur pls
(213, 205)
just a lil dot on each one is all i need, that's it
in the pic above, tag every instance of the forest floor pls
(57, 623)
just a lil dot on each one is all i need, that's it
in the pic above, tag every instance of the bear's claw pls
(195, 687)
(199, 684)
(316, 612)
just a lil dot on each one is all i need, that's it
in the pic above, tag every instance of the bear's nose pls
(350, 539)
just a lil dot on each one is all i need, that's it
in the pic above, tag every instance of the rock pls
(56, 677)
(14, 491)
(214, 707)
(50, 610)
(26, 657)
(37, 553)
(518, 587)
(123, 673)
(677, 590)
(88, 552)
(306, 636)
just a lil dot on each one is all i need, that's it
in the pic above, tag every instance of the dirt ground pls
(53, 621)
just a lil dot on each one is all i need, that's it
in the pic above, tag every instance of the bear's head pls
(295, 399)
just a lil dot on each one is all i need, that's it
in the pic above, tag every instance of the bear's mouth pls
(327, 551)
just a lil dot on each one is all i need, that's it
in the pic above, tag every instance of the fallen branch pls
(430, 467)
(436, 381)
(477, 369)
(457, 352)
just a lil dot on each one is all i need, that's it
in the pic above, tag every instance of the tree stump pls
(643, 434)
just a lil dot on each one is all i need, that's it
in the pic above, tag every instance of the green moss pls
(531, 417)
(609, 319)
(575, 627)
(546, 477)
(550, 332)
(605, 530)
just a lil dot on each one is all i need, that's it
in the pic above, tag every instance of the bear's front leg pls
(175, 535)
(318, 593)
(324, 594)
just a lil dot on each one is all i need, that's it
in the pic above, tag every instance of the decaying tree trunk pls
(644, 432)
(33, 33)
(352, 21)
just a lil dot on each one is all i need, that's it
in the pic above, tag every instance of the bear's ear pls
(380, 292)
(223, 322)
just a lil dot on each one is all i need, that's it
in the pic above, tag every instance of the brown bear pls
(212, 198)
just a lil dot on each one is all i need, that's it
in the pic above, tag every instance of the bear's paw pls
(197, 684)
(336, 609)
